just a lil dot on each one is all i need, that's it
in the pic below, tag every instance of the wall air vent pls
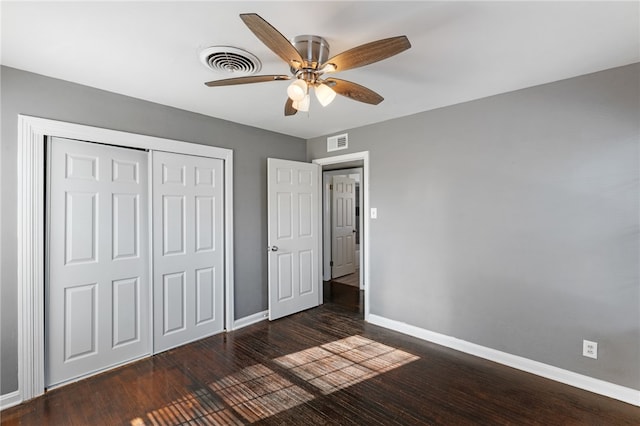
(231, 61)
(335, 143)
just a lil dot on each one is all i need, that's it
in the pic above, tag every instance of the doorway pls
(355, 296)
(342, 224)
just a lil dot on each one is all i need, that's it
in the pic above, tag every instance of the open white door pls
(294, 237)
(343, 226)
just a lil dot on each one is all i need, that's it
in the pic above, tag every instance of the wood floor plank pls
(324, 366)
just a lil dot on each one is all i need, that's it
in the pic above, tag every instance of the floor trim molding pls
(10, 399)
(611, 390)
(250, 319)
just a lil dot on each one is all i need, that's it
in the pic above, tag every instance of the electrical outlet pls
(590, 349)
(374, 213)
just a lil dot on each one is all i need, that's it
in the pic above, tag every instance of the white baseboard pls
(10, 399)
(621, 393)
(251, 319)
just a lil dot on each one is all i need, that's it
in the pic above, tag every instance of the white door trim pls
(31, 216)
(364, 189)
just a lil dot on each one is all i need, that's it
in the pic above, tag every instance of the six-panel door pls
(188, 248)
(97, 294)
(293, 222)
(343, 226)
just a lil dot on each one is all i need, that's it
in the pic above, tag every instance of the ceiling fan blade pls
(368, 53)
(288, 108)
(354, 91)
(272, 39)
(246, 80)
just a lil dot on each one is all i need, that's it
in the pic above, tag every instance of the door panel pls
(173, 224)
(343, 226)
(285, 277)
(80, 321)
(205, 288)
(205, 223)
(126, 296)
(174, 310)
(188, 249)
(293, 210)
(306, 271)
(81, 238)
(97, 286)
(125, 235)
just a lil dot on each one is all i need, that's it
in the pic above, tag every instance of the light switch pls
(374, 213)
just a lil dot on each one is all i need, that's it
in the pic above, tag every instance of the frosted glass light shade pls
(325, 94)
(302, 105)
(297, 90)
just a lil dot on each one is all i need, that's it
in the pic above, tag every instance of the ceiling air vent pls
(335, 143)
(231, 61)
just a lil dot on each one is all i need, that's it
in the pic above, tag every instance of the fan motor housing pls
(313, 49)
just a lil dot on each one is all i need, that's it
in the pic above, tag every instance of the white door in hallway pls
(188, 287)
(343, 226)
(97, 286)
(294, 237)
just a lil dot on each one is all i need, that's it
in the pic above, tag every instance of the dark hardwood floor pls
(345, 295)
(350, 279)
(324, 366)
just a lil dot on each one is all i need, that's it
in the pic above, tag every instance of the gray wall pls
(512, 221)
(31, 94)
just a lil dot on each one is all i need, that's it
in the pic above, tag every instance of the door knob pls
(272, 248)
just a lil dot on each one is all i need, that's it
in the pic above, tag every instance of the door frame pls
(32, 133)
(364, 233)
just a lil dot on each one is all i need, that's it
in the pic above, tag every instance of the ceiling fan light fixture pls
(302, 105)
(297, 90)
(308, 59)
(324, 94)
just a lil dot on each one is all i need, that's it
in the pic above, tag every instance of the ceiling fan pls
(307, 56)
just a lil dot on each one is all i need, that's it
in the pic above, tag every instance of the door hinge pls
(331, 263)
(330, 187)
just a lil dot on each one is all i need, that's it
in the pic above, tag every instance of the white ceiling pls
(460, 51)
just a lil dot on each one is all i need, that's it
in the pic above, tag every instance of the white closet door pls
(188, 248)
(97, 295)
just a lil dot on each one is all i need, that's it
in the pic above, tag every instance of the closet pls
(134, 255)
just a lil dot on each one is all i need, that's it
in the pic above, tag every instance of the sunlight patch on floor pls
(257, 392)
(198, 405)
(343, 363)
